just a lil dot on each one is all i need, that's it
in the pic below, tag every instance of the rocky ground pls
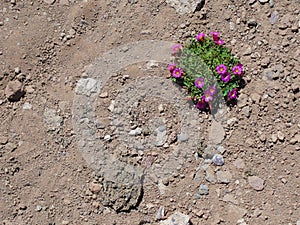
(90, 137)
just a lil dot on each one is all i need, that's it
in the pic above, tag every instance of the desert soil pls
(47, 176)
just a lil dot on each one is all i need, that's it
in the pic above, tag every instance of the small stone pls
(218, 160)
(203, 189)
(136, 131)
(182, 137)
(176, 218)
(274, 138)
(95, 188)
(27, 105)
(152, 64)
(280, 136)
(14, 91)
(65, 222)
(161, 136)
(17, 70)
(160, 213)
(50, 2)
(221, 149)
(107, 137)
(165, 181)
(3, 140)
(111, 107)
(246, 111)
(210, 175)
(298, 222)
(265, 62)
(255, 97)
(22, 206)
(38, 208)
(251, 2)
(257, 212)
(161, 108)
(274, 17)
(256, 183)
(103, 95)
(146, 32)
(247, 51)
(252, 23)
(224, 177)
(263, 1)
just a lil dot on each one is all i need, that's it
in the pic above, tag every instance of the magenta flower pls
(232, 94)
(199, 82)
(225, 77)
(219, 42)
(207, 97)
(177, 72)
(171, 67)
(215, 35)
(200, 37)
(201, 104)
(238, 69)
(221, 69)
(176, 48)
(211, 90)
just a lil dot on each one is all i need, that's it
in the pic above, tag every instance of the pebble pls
(221, 149)
(255, 97)
(107, 137)
(298, 222)
(103, 95)
(182, 137)
(263, 1)
(50, 2)
(203, 189)
(280, 136)
(17, 70)
(274, 17)
(210, 175)
(218, 160)
(252, 23)
(111, 107)
(161, 136)
(38, 208)
(14, 91)
(160, 213)
(224, 177)
(177, 218)
(136, 131)
(95, 188)
(161, 108)
(27, 105)
(256, 183)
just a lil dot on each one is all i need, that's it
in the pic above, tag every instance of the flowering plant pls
(207, 69)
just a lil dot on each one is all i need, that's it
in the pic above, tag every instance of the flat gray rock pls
(185, 6)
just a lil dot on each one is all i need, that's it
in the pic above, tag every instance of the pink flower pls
(177, 73)
(232, 94)
(200, 37)
(211, 90)
(219, 42)
(171, 67)
(215, 35)
(225, 77)
(238, 69)
(207, 96)
(221, 69)
(176, 48)
(199, 82)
